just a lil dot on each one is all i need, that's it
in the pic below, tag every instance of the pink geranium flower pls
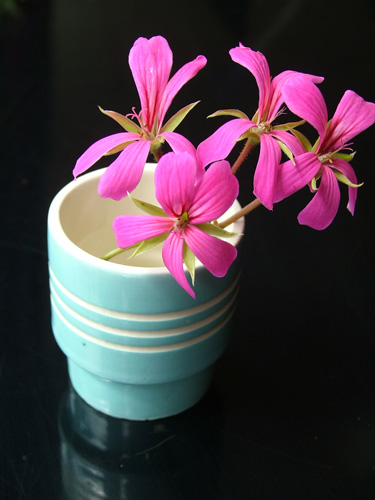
(260, 128)
(325, 162)
(150, 61)
(190, 198)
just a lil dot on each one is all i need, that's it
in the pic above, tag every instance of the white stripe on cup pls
(148, 349)
(140, 333)
(143, 317)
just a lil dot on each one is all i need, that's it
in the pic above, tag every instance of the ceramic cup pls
(138, 346)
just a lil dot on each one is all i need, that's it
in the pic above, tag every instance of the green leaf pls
(342, 178)
(148, 244)
(189, 261)
(229, 112)
(124, 121)
(176, 119)
(148, 207)
(215, 230)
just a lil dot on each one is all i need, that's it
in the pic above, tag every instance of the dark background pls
(291, 412)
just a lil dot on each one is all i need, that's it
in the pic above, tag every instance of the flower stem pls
(113, 253)
(245, 210)
(242, 156)
(157, 153)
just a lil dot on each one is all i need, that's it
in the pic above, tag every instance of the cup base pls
(139, 401)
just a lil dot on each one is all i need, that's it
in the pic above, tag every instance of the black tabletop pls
(291, 411)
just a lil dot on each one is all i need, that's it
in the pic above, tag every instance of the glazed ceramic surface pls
(138, 346)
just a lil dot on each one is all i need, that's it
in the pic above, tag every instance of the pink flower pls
(260, 127)
(325, 162)
(150, 61)
(190, 198)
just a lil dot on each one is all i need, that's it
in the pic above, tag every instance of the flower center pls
(146, 133)
(264, 128)
(181, 223)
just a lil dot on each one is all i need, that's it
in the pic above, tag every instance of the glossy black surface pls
(291, 412)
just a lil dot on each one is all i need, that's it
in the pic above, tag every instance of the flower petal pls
(173, 260)
(257, 64)
(150, 61)
(132, 229)
(220, 143)
(175, 182)
(322, 209)
(100, 148)
(124, 174)
(277, 84)
(179, 143)
(304, 99)
(215, 254)
(266, 170)
(291, 178)
(345, 168)
(353, 115)
(215, 194)
(289, 140)
(178, 80)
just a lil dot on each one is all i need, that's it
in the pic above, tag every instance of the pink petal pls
(220, 143)
(345, 168)
(124, 174)
(183, 75)
(277, 84)
(322, 209)
(266, 170)
(304, 99)
(352, 116)
(215, 254)
(215, 194)
(257, 64)
(291, 178)
(131, 229)
(175, 182)
(289, 140)
(100, 148)
(150, 61)
(179, 143)
(172, 257)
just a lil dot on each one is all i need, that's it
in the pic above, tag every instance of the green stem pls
(244, 211)
(113, 253)
(157, 153)
(242, 156)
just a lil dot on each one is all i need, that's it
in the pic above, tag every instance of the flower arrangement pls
(196, 186)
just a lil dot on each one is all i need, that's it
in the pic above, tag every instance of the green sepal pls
(189, 260)
(215, 230)
(342, 178)
(286, 150)
(315, 146)
(229, 112)
(253, 137)
(148, 207)
(146, 245)
(124, 121)
(117, 149)
(344, 156)
(176, 119)
(314, 180)
(306, 144)
(289, 126)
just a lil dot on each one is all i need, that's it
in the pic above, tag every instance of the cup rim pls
(55, 227)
